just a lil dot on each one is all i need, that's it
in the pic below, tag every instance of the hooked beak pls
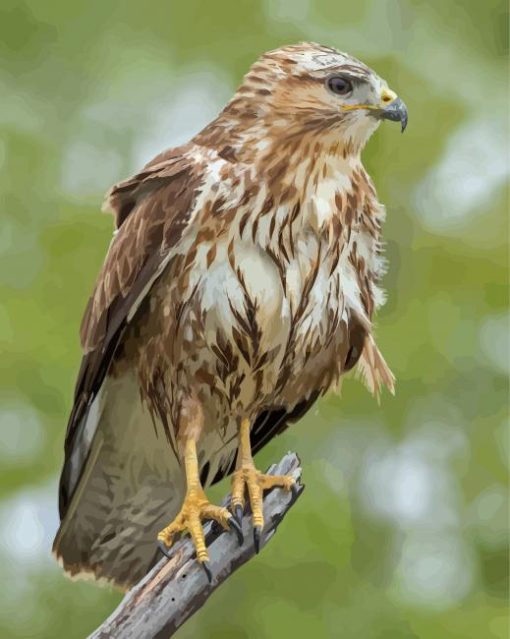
(390, 107)
(396, 111)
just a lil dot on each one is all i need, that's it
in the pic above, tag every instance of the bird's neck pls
(319, 171)
(261, 139)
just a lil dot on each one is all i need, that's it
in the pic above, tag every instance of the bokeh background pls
(402, 530)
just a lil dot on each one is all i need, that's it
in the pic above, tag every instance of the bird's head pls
(308, 90)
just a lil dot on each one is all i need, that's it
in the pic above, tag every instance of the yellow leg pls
(195, 508)
(247, 476)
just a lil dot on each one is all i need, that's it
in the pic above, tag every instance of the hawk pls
(239, 286)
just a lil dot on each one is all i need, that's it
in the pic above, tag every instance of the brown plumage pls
(240, 284)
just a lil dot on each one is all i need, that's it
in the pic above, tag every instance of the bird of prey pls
(239, 286)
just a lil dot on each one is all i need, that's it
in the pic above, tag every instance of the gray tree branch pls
(176, 588)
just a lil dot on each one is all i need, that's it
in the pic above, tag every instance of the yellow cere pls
(387, 96)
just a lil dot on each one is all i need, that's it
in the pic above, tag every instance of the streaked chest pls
(285, 280)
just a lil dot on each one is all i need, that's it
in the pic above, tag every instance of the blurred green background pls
(402, 530)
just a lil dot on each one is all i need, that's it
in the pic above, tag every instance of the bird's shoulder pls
(153, 210)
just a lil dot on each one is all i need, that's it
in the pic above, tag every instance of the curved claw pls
(294, 489)
(164, 549)
(238, 513)
(207, 570)
(236, 527)
(257, 530)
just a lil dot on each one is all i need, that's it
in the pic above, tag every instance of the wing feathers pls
(158, 216)
(152, 211)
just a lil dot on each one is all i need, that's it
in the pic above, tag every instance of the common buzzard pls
(240, 285)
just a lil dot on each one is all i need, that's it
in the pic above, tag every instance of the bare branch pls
(176, 588)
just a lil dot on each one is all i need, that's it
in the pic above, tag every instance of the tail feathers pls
(119, 547)
(130, 487)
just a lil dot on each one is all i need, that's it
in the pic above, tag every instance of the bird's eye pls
(339, 85)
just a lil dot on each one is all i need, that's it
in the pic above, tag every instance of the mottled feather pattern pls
(280, 351)
(242, 279)
(152, 209)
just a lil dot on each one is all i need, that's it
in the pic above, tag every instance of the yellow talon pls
(195, 508)
(247, 476)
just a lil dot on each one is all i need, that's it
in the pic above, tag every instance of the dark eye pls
(339, 85)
